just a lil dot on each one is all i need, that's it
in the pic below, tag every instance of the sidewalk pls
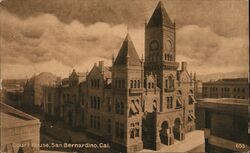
(193, 140)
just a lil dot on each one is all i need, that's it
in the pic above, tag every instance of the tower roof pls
(127, 53)
(160, 17)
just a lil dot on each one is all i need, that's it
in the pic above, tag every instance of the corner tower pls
(127, 91)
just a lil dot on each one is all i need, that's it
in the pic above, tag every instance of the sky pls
(60, 35)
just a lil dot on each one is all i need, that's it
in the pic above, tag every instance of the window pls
(123, 84)
(138, 83)
(137, 132)
(109, 104)
(94, 102)
(98, 102)
(94, 122)
(109, 126)
(121, 131)
(135, 84)
(149, 85)
(115, 83)
(82, 99)
(134, 130)
(98, 122)
(131, 83)
(91, 102)
(119, 84)
(166, 83)
(91, 121)
(49, 98)
(122, 108)
(169, 102)
(117, 129)
(191, 100)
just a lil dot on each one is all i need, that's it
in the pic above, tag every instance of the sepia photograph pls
(124, 76)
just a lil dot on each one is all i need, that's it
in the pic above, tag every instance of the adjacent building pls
(225, 122)
(32, 95)
(226, 88)
(19, 132)
(135, 103)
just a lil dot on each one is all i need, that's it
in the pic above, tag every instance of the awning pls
(192, 98)
(154, 105)
(133, 108)
(137, 106)
(179, 101)
(191, 117)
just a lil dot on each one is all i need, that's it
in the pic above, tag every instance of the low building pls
(225, 122)
(19, 132)
(226, 88)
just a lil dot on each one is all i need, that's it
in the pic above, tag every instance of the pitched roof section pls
(127, 51)
(160, 17)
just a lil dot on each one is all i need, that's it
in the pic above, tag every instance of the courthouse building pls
(135, 103)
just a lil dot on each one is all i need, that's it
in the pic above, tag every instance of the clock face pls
(154, 45)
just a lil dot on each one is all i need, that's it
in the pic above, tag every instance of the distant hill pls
(217, 76)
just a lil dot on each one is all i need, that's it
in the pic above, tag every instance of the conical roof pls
(127, 54)
(160, 17)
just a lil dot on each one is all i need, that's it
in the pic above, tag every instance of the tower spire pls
(160, 17)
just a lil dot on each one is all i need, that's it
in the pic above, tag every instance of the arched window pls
(171, 82)
(165, 55)
(153, 86)
(154, 106)
(134, 83)
(149, 85)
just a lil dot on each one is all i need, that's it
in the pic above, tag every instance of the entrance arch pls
(164, 133)
(177, 129)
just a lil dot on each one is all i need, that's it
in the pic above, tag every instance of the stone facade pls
(135, 104)
(20, 132)
(226, 88)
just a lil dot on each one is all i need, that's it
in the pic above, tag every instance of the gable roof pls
(160, 17)
(127, 50)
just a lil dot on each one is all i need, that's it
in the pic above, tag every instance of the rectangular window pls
(98, 122)
(109, 126)
(137, 132)
(166, 83)
(121, 131)
(116, 129)
(91, 121)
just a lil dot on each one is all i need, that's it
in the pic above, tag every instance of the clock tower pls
(160, 53)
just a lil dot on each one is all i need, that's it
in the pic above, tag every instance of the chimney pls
(101, 65)
(183, 66)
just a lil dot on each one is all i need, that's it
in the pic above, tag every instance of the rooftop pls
(11, 117)
(226, 101)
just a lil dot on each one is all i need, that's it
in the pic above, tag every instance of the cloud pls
(44, 38)
(44, 43)
(207, 51)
